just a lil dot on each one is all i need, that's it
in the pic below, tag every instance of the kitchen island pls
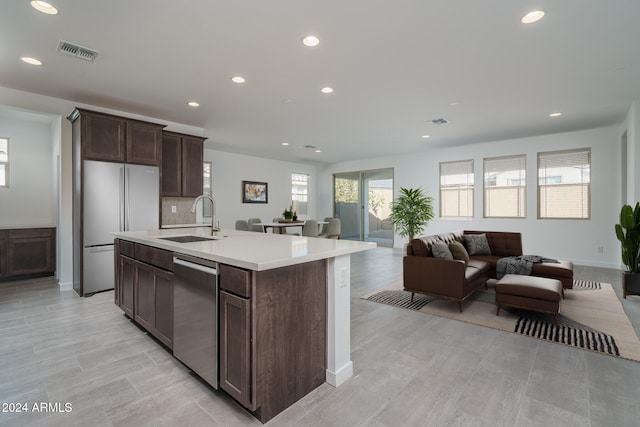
(284, 306)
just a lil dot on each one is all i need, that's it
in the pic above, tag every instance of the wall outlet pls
(600, 249)
(174, 209)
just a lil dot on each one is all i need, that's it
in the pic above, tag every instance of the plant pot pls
(630, 284)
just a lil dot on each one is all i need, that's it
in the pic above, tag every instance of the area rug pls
(591, 316)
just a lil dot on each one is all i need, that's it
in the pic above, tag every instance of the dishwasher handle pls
(194, 266)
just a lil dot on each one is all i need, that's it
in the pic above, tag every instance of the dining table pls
(280, 226)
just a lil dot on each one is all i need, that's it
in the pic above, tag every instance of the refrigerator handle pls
(128, 195)
(121, 199)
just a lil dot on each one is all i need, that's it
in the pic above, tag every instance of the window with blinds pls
(505, 182)
(4, 162)
(564, 184)
(300, 194)
(456, 189)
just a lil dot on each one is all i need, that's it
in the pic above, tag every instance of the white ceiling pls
(394, 64)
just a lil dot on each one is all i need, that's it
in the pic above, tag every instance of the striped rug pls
(591, 316)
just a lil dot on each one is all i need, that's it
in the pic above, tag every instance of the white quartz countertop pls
(246, 249)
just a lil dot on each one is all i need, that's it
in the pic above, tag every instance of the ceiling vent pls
(439, 121)
(77, 51)
(309, 147)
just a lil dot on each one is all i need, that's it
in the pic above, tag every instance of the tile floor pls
(411, 369)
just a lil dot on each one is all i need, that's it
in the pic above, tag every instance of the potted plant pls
(411, 211)
(628, 233)
(288, 214)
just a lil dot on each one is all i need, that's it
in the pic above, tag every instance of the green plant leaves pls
(411, 211)
(628, 233)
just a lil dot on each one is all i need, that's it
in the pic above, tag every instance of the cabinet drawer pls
(158, 257)
(235, 280)
(126, 248)
(30, 233)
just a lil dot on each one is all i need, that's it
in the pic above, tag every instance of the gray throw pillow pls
(477, 244)
(441, 250)
(458, 251)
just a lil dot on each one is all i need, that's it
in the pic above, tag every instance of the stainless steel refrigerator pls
(116, 197)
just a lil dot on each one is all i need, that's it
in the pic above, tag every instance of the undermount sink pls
(188, 239)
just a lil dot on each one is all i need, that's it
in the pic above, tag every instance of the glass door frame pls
(362, 179)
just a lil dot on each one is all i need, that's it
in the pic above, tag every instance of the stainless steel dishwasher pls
(195, 315)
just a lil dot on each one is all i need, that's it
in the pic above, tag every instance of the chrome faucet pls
(214, 224)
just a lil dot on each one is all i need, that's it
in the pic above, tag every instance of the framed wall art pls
(254, 192)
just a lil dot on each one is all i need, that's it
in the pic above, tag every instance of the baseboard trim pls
(65, 286)
(336, 379)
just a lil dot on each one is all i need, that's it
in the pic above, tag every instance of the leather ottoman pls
(530, 293)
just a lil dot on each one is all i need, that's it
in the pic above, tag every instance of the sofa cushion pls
(458, 251)
(477, 244)
(441, 250)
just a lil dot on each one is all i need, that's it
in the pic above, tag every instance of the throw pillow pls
(477, 244)
(458, 251)
(441, 250)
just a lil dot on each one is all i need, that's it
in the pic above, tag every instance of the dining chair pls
(333, 229)
(279, 230)
(242, 224)
(254, 221)
(323, 232)
(310, 228)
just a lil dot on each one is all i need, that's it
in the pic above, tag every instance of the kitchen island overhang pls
(267, 255)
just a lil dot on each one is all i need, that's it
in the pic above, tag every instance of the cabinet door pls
(144, 143)
(126, 275)
(144, 297)
(171, 165)
(192, 166)
(31, 252)
(104, 137)
(235, 356)
(163, 327)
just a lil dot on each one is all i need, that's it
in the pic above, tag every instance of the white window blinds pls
(505, 185)
(564, 184)
(456, 189)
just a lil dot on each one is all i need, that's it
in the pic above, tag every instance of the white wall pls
(632, 126)
(30, 198)
(228, 172)
(576, 240)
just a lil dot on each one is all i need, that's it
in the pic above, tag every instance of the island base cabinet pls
(235, 356)
(154, 301)
(273, 333)
(126, 275)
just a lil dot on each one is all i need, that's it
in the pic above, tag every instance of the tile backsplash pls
(183, 213)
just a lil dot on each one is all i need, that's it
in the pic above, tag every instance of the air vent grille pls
(439, 121)
(310, 147)
(77, 51)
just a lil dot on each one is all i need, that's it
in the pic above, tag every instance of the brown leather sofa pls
(454, 280)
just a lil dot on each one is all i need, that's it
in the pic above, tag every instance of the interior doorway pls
(362, 201)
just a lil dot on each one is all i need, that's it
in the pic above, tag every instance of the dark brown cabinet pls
(235, 333)
(109, 138)
(154, 301)
(26, 253)
(272, 335)
(182, 163)
(144, 287)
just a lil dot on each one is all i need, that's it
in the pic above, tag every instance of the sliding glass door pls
(362, 202)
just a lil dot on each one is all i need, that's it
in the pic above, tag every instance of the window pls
(4, 162)
(456, 189)
(300, 194)
(206, 188)
(505, 187)
(564, 184)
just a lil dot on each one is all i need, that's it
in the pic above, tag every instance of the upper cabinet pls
(117, 139)
(182, 164)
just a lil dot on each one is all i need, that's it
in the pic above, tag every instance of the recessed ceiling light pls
(31, 61)
(426, 136)
(44, 7)
(237, 79)
(193, 104)
(326, 90)
(532, 17)
(311, 41)
(555, 114)
(318, 151)
(284, 143)
(454, 103)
